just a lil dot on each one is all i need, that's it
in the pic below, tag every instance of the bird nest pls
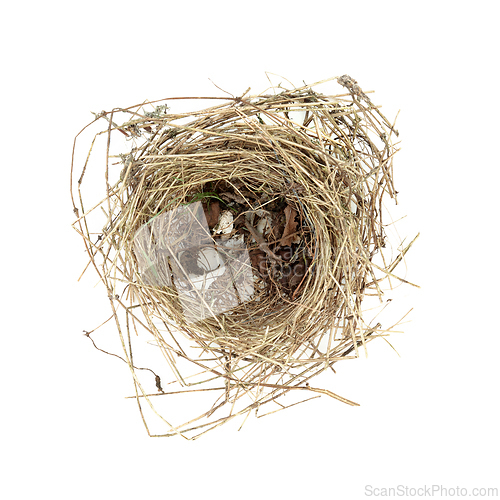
(240, 241)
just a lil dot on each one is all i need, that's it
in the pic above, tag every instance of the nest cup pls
(313, 170)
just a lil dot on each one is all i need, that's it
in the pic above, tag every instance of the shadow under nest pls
(242, 238)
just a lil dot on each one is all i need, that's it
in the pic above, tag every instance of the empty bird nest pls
(239, 241)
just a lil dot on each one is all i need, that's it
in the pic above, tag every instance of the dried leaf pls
(285, 253)
(258, 259)
(299, 270)
(277, 225)
(290, 227)
(212, 212)
(231, 196)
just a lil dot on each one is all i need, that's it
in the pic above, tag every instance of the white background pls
(427, 417)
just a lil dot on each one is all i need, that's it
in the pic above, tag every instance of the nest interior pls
(287, 188)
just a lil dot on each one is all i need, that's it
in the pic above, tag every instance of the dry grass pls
(329, 158)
